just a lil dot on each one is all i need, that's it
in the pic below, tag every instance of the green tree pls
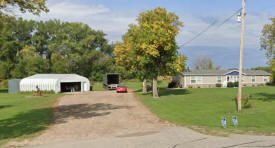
(61, 47)
(268, 44)
(15, 34)
(29, 63)
(150, 46)
(32, 6)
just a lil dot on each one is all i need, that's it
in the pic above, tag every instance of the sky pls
(221, 44)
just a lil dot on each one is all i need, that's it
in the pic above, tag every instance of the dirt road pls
(97, 114)
(107, 119)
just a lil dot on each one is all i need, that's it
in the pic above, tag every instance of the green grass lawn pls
(97, 86)
(204, 107)
(21, 116)
(133, 84)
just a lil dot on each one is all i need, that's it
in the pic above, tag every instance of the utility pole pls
(241, 61)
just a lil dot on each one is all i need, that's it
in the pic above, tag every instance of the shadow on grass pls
(3, 90)
(264, 97)
(30, 122)
(5, 106)
(167, 92)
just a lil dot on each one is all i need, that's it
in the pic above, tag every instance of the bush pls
(270, 84)
(173, 84)
(91, 87)
(236, 84)
(4, 83)
(149, 88)
(190, 86)
(218, 85)
(230, 84)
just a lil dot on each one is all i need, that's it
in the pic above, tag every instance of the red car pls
(121, 88)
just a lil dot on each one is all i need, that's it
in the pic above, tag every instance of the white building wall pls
(52, 82)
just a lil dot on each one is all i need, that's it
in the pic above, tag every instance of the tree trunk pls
(155, 88)
(144, 88)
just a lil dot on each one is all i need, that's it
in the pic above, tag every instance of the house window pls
(196, 79)
(265, 79)
(193, 79)
(253, 79)
(199, 79)
(219, 79)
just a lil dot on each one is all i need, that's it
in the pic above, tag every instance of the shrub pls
(218, 85)
(173, 84)
(230, 84)
(91, 87)
(4, 84)
(190, 86)
(149, 88)
(236, 84)
(247, 103)
(198, 87)
(270, 84)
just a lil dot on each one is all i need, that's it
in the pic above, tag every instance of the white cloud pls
(66, 9)
(225, 36)
(98, 17)
(218, 43)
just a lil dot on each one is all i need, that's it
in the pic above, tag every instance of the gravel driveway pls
(107, 119)
(96, 114)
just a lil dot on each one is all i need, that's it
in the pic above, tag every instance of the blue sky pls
(220, 44)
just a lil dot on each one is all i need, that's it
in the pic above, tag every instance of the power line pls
(209, 26)
(226, 20)
(199, 34)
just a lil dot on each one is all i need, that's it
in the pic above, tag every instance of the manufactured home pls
(210, 78)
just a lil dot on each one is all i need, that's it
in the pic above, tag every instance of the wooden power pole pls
(241, 61)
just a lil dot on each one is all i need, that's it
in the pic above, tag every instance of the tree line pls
(28, 47)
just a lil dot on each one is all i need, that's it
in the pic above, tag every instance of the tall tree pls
(152, 42)
(268, 39)
(32, 6)
(204, 63)
(268, 44)
(60, 47)
(29, 63)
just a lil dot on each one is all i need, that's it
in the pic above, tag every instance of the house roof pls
(224, 72)
(57, 77)
(51, 76)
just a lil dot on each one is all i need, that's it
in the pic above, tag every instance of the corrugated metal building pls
(14, 85)
(55, 82)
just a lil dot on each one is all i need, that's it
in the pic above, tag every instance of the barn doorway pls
(70, 86)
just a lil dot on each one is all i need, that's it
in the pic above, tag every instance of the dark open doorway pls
(70, 86)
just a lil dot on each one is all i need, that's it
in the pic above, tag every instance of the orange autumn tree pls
(149, 48)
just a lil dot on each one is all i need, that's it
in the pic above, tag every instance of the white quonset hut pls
(55, 82)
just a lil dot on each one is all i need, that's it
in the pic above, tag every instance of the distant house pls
(209, 78)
